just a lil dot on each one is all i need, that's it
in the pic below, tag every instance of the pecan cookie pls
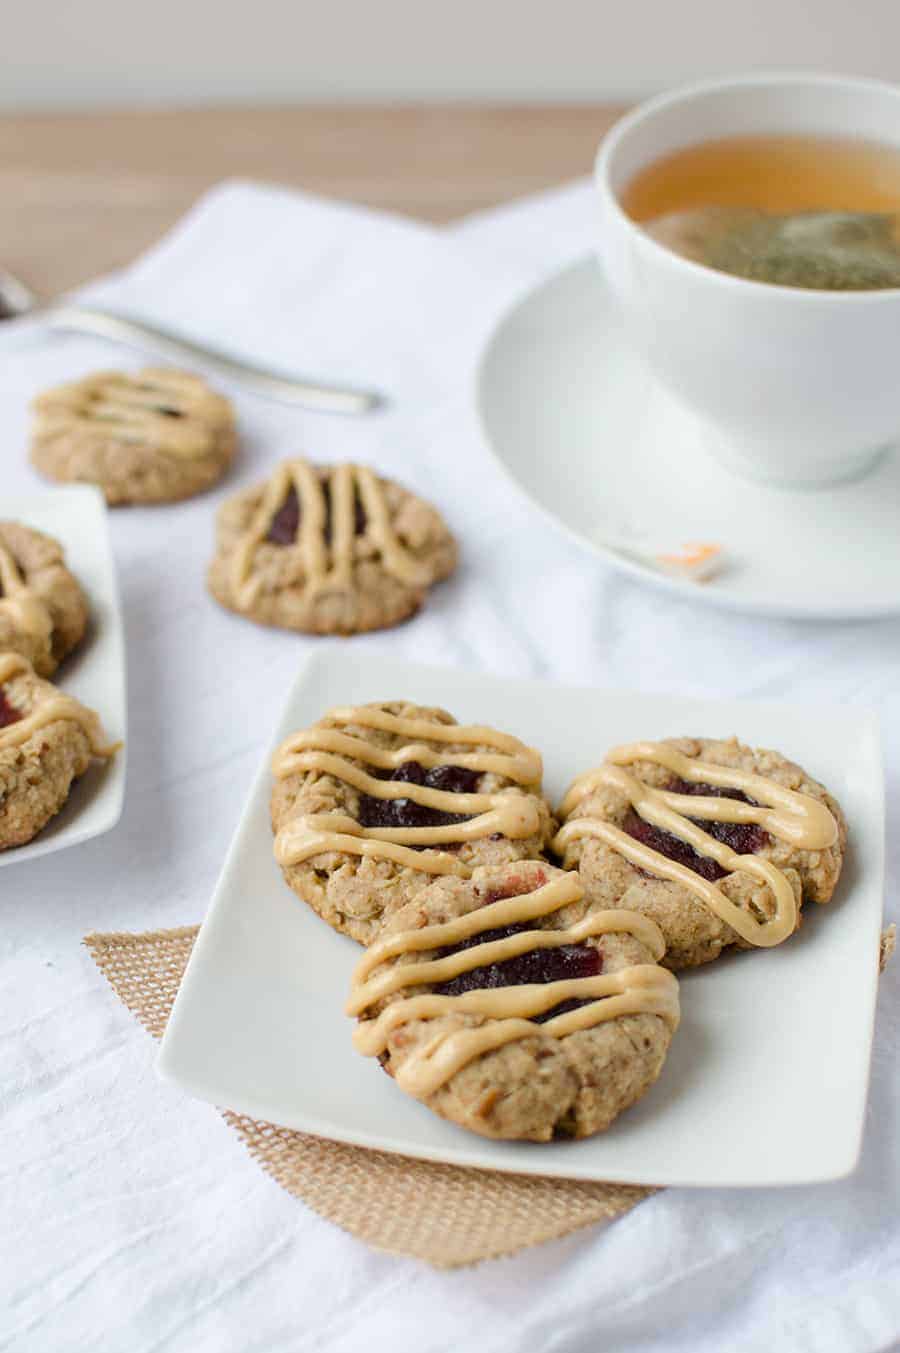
(47, 740)
(151, 436)
(374, 801)
(507, 1005)
(719, 843)
(328, 550)
(43, 612)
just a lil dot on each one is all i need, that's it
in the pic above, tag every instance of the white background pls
(90, 53)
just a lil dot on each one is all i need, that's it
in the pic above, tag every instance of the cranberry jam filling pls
(536, 966)
(359, 513)
(283, 530)
(374, 812)
(744, 838)
(8, 712)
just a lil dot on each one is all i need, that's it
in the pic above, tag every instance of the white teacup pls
(797, 387)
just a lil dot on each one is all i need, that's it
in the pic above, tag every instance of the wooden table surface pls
(84, 193)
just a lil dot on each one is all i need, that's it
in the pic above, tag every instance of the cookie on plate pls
(328, 550)
(150, 436)
(43, 611)
(719, 843)
(47, 740)
(373, 802)
(509, 1006)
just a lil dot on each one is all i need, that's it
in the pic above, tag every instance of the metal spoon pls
(17, 300)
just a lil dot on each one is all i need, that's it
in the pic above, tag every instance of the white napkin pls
(133, 1219)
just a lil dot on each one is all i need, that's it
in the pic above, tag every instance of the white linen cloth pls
(132, 1217)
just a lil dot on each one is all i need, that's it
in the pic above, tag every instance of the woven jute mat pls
(441, 1214)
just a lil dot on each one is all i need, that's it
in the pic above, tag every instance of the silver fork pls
(17, 301)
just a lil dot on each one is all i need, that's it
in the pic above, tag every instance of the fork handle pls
(286, 389)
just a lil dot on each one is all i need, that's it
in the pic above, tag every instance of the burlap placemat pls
(442, 1214)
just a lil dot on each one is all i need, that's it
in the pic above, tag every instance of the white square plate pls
(75, 515)
(766, 1081)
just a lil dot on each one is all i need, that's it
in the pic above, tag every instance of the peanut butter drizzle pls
(326, 750)
(640, 989)
(325, 566)
(18, 600)
(57, 706)
(131, 409)
(798, 819)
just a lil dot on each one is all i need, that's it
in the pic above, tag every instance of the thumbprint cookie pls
(43, 612)
(150, 436)
(328, 550)
(47, 740)
(374, 802)
(720, 844)
(508, 1006)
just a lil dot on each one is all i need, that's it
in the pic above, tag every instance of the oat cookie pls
(719, 843)
(150, 436)
(43, 611)
(508, 1005)
(47, 740)
(328, 550)
(375, 801)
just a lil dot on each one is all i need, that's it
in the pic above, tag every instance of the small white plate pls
(75, 515)
(766, 1081)
(577, 421)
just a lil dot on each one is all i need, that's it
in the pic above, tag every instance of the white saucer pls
(578, 423)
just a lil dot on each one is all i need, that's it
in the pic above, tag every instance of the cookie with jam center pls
(151, 436)
(47, 740)
(43, 611)
(720, 843)
(507, 1004)
(328, 550)
(374, 802)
